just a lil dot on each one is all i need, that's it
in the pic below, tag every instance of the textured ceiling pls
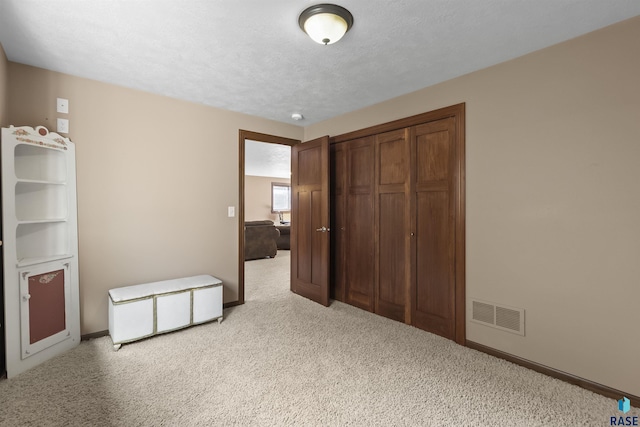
(264, 159)
(250, 56)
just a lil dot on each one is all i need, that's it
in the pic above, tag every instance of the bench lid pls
(127, 293)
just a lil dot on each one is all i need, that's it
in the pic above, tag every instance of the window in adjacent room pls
(280, 197)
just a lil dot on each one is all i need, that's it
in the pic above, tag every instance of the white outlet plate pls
(63, 126)
(231, 211)
(62, 106)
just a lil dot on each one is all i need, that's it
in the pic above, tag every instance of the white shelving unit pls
(40, 245)
(37, 201)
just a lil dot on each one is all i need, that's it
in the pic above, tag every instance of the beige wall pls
(4, 86)
(257, 198)
(553, 212)
(155, 177)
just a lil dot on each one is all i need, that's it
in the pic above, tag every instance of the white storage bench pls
(141, 311)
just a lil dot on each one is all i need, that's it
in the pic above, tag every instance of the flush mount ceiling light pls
(325, 23)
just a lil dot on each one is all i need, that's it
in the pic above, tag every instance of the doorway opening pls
(262, 200)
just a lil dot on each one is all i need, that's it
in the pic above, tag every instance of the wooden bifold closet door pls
(354, 237)
(433, 227)
(393, 216)
(394, 250)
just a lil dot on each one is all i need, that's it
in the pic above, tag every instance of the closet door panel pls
(360, 252)
(433, 157)
(433, 290)
(392, 274)
(360, 158)
(393, 260)
(360, 229)
(393, 160)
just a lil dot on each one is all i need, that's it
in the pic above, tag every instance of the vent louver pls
(483, 312)
(497, 316)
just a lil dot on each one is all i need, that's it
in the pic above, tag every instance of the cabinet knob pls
(413, 234)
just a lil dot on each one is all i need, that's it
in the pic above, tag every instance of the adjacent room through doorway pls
(265, 215)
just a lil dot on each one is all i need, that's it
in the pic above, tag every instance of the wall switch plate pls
(62, 106)
(231, 211)
(63, 126)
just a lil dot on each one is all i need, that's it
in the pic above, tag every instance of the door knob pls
(323, 229)
(26, 297)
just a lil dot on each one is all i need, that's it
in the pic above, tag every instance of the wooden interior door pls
(360, 225)
(434, 172)
(338, 172)
(310, 220)
(393, 202)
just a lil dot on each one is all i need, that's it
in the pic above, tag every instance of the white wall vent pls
(497, 316)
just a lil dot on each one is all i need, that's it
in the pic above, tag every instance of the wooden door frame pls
(458, 113)
(260, 137)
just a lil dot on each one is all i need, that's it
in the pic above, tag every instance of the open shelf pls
(40, 163)
(42, 240)
(40, 181)
(41, 260)
(42, 221)
(39, 201)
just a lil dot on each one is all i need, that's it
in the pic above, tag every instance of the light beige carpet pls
(267, 278)
(283, 360)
